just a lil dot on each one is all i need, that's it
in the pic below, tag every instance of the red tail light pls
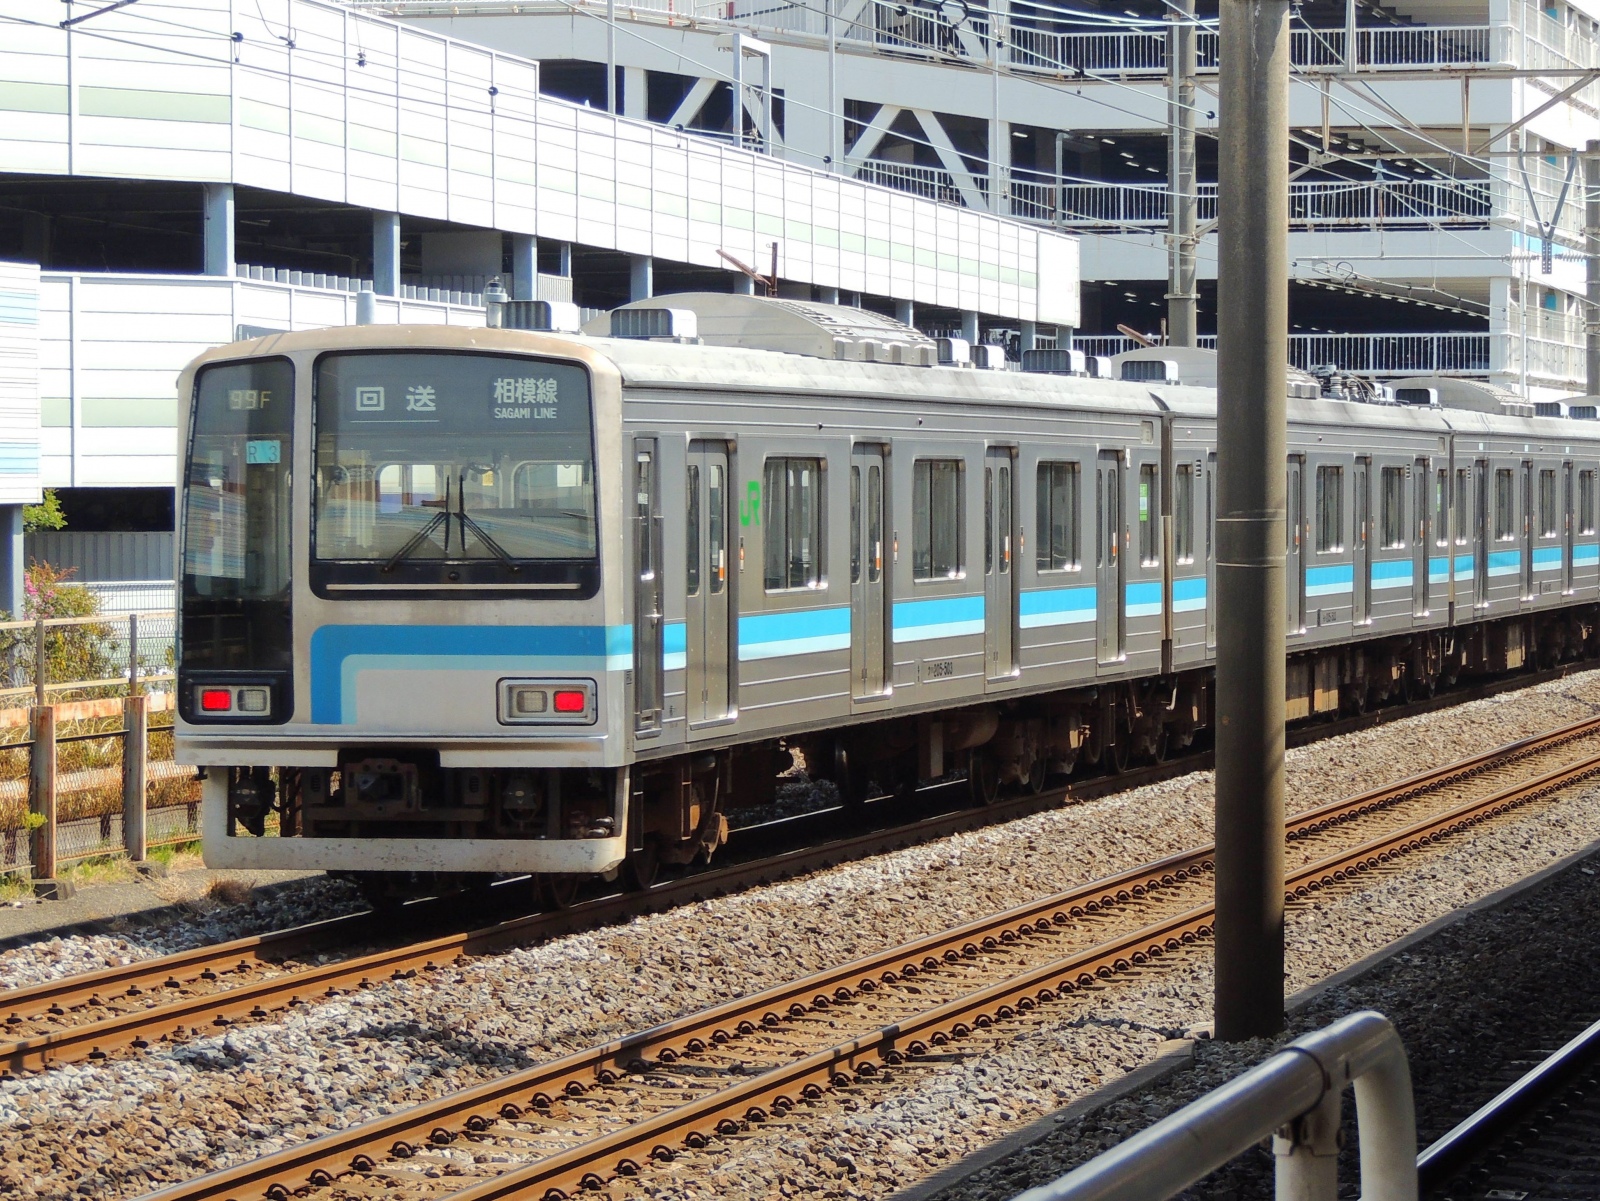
(568, 701)
(216, 700)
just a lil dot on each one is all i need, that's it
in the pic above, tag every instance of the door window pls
(936, 519)
(1056, 517)
(1330, 508)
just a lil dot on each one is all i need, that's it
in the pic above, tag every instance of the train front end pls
(399, 653)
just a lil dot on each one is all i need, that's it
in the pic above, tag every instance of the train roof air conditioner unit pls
(552, 316)
(1150, 371)
(655, 322)
(1055, 361)
(989, 357)
(954, 352)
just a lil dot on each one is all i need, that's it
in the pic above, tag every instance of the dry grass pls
(230, 892)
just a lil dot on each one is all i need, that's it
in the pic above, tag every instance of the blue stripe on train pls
(797, 632)
(1439, 571)
(674, 646)
(1391, 573)
(1332, 580)
(1056, 606)
(1586, 554)
(1143, 599)
(1547, 558)
(941, 617)
(1466, 567)
(1189, 595)
(339, 653)
(1504, 562)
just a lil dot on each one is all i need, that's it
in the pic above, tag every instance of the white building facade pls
(233, 143)
(1430, 142)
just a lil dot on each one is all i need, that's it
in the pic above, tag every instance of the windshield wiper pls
(440, 518)
(468, 523)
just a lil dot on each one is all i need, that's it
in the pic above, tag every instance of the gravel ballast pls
(120, 1128)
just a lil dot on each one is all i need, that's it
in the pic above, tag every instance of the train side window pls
(855, 525)
(692, 540)
(1393, 513)
(792, 523)
(1057, 499)
(1505, 506)
(1547, 504)
(1441, 508)
(1149, 512)
(1585, 502)
(717, 529)
(988, 520)
(936, 518)
(1463, 506)
(1330, 509)
(1183, 514)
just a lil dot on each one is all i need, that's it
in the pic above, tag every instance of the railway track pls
(1539, 1137)
(587, 1118)
(204, 990)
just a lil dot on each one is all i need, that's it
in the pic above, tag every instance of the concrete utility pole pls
(1252, 457)
(1591, 260)
(1182, 294)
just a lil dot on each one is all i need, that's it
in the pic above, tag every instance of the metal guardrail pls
(1294, 1098)
(1373, 354)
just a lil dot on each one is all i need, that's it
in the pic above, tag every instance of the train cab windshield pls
(452, 471)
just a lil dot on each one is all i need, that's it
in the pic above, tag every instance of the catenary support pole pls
(1182, 294)
(1591, 259)
(1252, 374)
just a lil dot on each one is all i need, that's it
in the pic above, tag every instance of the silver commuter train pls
(466, 601)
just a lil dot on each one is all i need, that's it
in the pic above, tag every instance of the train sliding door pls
(1530, 590)
(999, 580)
(1361, 546)
(1294, 565)
(868, 580)
(708, 606)
(1422, 475)
(1211, 558)
(1567, 523)
(647, 594)
(1108, 559)
(1480, 527)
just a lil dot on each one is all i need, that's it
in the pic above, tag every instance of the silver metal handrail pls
(1294, 1097)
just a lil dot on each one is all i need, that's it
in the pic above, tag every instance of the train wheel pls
(1117, 759)
(1162, 744)
(983, 776)
(642, 868)
(556, 890)
(1037, 775)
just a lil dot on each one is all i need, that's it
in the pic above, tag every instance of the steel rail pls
(187, 966)
(729, 1110)
(179, 968)
(318, 1162)
(217, 1010)
(1477, 1133)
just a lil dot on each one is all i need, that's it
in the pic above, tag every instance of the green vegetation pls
(46, 515)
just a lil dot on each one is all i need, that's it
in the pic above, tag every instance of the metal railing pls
(1294, 1098)
(1313, 204)
(1368, 354)
(932, 183)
